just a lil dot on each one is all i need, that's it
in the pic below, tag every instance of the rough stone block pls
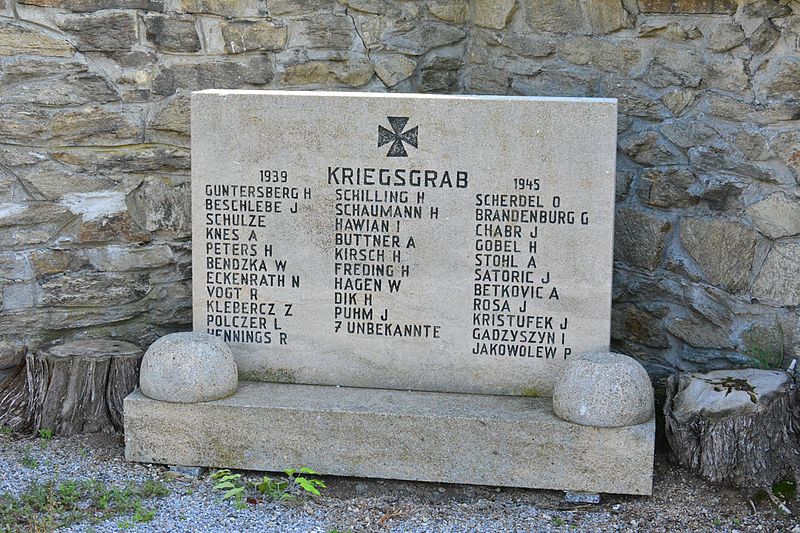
(718, 7)
(778, 280)
(106, 32)
(246, 36)
(777, 215)
(437, 437)
(83, 6)
(225, 8)
(172, 33)
(19, 39)
(70, 90)
(495, 14)
(256, 70)
(454, 11)
(577, 16)
(424, 37)
(721, 248)
(322, 30)
(639, 238)
(350, 73)
(393, 68)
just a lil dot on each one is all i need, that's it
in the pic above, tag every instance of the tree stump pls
(71, 388)
(738, 427)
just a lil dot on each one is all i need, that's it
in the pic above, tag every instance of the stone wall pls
(94, 153)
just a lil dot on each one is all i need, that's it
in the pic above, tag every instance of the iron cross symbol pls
(397, 136)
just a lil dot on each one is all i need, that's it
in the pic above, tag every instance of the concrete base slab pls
(379, 433)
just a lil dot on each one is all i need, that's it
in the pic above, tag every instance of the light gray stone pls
(325, 73)
(322, 30)
(677, 100)
(689, 132)
(108, 31)
(86, 6)
(225, 8)
(530, 45)
(700, 333)
(256, 70)
(727, 74)
(649, 148)
(93, 288)
(94, 125)
(454, 11)
(674, 65)
(188, 368)
(295, 7)
(394, 68)
(156, 206)
(354, 432)
(669, 29)
(786, 146)
(726, 36)
(618, 57)
(69, 90)
(604, 389)
(767, 9)
(639, 238)
(752, 143)
(764, 38)
(11, 354)
(17, 38)
(668, 187)
(173, 118)
(575, 16)
(777, 215)
(422, 38)
(495, 14)
(722, 249)
(31, 223)
(778, 280)
(429, 338)
(779, 80)
(246, 36)
(172, 33)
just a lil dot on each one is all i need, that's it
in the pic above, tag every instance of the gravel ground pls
(679, 503)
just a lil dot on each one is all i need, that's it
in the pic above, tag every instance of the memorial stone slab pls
(444, 244)
(432, 243)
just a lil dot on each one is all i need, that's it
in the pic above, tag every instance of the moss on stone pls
(268, 374)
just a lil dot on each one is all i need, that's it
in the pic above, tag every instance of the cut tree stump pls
(737, 427)
(77, 387)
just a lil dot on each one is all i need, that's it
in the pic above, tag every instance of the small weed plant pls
(772, 357)
(28, 460)
(274, 489)
(51, 505)
(232, 485)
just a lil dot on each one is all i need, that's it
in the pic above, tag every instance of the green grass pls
(28, 460)
(53, 504)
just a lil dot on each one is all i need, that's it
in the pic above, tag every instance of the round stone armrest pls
(188, 368)
(604, 389)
